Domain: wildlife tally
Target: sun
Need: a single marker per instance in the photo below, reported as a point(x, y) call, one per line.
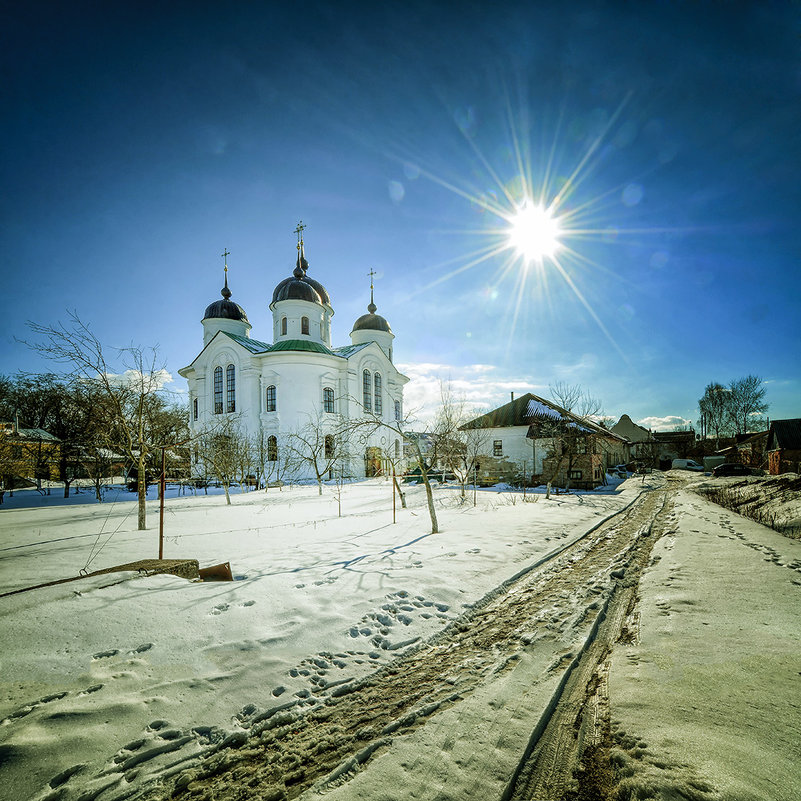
point(534, 232)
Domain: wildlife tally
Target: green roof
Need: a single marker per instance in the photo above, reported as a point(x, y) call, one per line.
point(253, 345)
point(348, 350)
point(301, 344)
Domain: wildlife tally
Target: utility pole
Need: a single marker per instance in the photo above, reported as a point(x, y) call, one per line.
point(162, 487)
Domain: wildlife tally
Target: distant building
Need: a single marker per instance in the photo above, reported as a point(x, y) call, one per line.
point(643, 446)
point(27, 455)
point(748, 449)
point(532, 439)
point(784, 446)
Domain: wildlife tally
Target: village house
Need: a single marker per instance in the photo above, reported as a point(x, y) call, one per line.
point(532, 439)
point(27, 455)
point(784, 446)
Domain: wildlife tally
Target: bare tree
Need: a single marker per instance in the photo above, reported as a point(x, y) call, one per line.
point(131, 399)
point(220, 451)
point(747, 403)
point(318, 447)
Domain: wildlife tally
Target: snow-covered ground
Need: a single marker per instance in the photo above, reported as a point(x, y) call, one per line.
point(707, 704)
point(90, 666)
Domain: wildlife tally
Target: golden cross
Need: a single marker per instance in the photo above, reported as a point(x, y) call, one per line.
point(225, 256)
point(371, 274)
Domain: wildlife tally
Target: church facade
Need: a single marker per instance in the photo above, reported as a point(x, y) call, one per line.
point(297, 390)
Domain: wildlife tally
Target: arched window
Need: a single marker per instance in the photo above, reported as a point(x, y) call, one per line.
point(218, 395)
point(329, 446)
point(397, 448)
point(378, 403)
point(328, 400)
point(367, 391)
point(269, 405)
point(194, 408)
point(283, 325)
point(272, 449)
point(397, 410)
point(230, 388)
point(304, 325)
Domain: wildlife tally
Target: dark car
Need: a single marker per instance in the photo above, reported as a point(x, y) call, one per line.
point(731, 470)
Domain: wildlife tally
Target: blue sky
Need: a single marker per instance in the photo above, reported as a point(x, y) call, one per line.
point(141, 140)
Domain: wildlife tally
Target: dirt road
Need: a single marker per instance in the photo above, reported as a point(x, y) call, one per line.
point(559, 621)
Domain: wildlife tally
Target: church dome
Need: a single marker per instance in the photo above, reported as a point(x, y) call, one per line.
point(371, 321)
point(225, 309)
point(300, 287)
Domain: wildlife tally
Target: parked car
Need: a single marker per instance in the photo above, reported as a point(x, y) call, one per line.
point(687, 464)
point(731, 469)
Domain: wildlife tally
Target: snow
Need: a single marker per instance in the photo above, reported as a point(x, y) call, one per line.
point(708, 704)
point(91, 665)
point(704, 701)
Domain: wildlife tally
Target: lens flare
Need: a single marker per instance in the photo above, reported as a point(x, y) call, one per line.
point(534, 232)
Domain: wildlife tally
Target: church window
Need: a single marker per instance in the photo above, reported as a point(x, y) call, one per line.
point(304, 325)
point(283, 326)
point(269, 405)
point(230, 386)
point(378, 401)
point(194, 408)
point(497, 447)
point(329, 446)
point(367, 391)
point(397, 410)
point(272, 449)
point(218, 395)
point(328, 400)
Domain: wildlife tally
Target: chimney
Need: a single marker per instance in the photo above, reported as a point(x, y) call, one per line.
point(513, 396)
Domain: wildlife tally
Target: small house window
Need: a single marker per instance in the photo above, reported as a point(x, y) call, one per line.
point(377, 401)
point(269, 404)
point(272, 449)
point(581, 446)
point(328, 400)
point(283, 326)
point(329, 446)
point(304, 325)
point(367, 391)
point(497, 447)
point(230, 386)
point(194, 408)
point(218, 390)
point(397, 410)
point(574, 474)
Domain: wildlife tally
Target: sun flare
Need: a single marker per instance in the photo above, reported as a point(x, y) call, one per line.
point(534, 232)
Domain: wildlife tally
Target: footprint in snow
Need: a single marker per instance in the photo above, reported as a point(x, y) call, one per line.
point(219, 609)
point(105, 654)
point(145, 646)
point(247, 603)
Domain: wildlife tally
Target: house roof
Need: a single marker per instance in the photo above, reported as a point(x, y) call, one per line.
point(530, 409)
point(785, 435)
point(33, 434)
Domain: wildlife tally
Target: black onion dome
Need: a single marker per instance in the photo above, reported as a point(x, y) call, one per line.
point(225, 309)
point(300, 287)
point(372, 322)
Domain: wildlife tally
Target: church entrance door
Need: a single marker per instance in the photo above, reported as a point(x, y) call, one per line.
point(372, 462)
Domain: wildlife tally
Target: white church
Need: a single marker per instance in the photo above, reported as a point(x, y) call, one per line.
point(280, 391)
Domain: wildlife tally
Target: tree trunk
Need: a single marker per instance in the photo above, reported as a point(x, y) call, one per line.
point(141, 483)
point(401, 494)
point(430, 498)
point(227, 494)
